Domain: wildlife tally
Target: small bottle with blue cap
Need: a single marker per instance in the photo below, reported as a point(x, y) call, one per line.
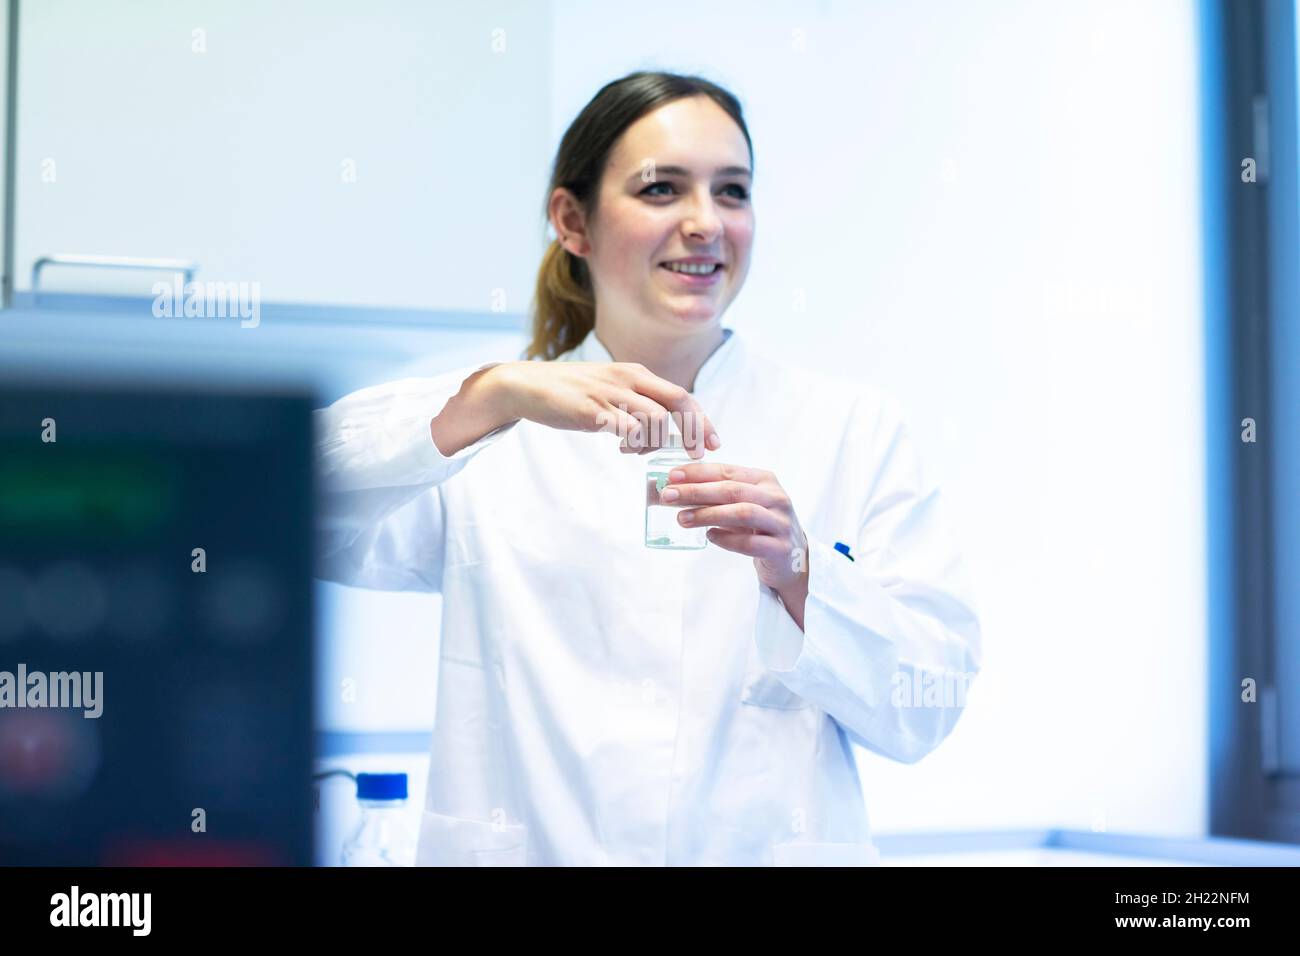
point(383, 836)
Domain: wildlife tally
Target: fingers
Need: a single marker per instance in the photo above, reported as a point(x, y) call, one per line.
point(638, 420)
point(616, 420)
point(748, 543)
point(640, 423)
point(702, 471)
point(650, 430)
point(640, 407)
point(698, 433)
point(719, 493)
point(745, 516)
point(734, 498)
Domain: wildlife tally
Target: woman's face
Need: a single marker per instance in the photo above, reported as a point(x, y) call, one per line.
point(676, 186)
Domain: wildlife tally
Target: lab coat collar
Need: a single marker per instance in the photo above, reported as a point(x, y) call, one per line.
point(591, 349)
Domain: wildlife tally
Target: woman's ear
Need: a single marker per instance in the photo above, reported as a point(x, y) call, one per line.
point(568, 222)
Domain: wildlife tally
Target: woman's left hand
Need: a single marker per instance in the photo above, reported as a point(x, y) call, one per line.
point(749, 513)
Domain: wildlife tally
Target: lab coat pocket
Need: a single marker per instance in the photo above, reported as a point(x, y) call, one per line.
point(762, 688)
point(825, 854)
point(455, 841)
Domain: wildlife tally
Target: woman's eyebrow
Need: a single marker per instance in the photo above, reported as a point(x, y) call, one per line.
point(683, 171)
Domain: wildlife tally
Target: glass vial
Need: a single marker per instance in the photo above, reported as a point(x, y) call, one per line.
point(661, 527)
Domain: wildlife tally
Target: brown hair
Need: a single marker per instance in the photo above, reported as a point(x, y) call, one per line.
point(564, 306)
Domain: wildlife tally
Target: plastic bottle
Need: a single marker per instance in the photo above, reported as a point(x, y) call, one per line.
point(382, 837)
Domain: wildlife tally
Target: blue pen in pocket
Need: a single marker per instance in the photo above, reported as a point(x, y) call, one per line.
point(843, 549)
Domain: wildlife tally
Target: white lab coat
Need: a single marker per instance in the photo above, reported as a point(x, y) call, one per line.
point(600, 702)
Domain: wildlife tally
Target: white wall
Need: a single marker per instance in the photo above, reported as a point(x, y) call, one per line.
point(234, 156)
point(992, 209)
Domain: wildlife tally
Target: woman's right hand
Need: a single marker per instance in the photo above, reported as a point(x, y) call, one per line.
point(624, 398)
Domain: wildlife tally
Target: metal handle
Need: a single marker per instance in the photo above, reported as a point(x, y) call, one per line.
point(185, 266)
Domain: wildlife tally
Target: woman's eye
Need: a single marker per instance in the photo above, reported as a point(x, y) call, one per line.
point(740, 191)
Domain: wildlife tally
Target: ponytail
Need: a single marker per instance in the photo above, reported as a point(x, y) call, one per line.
point(564, 308)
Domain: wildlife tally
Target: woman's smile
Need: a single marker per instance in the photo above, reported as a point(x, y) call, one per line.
point(691, 275)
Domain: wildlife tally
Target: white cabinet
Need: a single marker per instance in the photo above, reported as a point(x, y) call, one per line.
point(394, 154)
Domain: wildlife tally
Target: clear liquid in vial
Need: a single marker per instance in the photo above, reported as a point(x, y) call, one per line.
point(661, 527)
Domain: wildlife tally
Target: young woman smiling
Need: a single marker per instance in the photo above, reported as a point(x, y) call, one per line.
point(600, 702)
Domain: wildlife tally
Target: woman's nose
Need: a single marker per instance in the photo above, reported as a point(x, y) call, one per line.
point(703, 221)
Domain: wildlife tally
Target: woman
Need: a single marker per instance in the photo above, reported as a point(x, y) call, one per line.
point(601, 702)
